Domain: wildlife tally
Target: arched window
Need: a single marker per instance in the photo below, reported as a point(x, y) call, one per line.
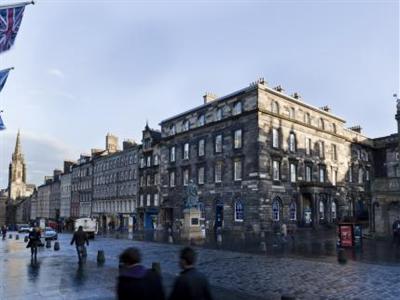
point(275, 210)
point(185, 125)
point(321, 210)
point(321, 124)
point(218, 114)
point(360, 176)
point(237, 108)
point(334, 128)
point(307, 118)
point(292, 142)
point(275, 138)
point(333, 209)
point(239, 211)
point(293, 211)
point(201, 120)
point(275, 107)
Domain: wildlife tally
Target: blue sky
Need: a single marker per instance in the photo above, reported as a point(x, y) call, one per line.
point(85, 68)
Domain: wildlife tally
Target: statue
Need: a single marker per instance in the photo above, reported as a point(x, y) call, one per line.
point(192, 199)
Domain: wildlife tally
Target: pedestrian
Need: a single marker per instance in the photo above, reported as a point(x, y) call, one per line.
point(4, 231)
point(80, 238)
point(135, 281)
point(34, 242)
point(190, 284)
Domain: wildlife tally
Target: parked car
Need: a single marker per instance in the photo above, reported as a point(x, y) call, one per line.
point(50, 234)
point(24, 228)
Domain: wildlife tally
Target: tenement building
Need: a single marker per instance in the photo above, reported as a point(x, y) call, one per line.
point(148, 208)
point(115, 184)
point(260, 158)
point(81, 187)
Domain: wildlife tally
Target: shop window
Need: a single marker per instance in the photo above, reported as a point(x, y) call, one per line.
point(239, 211)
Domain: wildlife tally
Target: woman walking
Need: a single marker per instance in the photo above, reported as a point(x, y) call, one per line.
point(34, 242)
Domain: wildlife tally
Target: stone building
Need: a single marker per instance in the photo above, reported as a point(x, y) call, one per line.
point(261, 158)
point(386, 184)
point(55, 197)
point(43, 199)
point(65, 191)
point(3, 205)
point(148, 207)
point(81, 187)
point(115, 185)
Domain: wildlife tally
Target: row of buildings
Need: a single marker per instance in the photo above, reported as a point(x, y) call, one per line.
point(259, 157)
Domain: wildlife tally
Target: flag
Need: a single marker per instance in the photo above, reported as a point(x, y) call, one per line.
point(2, 126)
point(10, 20)
point(3, 77)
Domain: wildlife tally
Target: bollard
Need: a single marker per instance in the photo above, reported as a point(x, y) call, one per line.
point(56, 246)
point(10, 236)
point(170, 239)
point(156, 267)
point(101, 258)
point(263, 246)
point(26, 239)
point(48, 244)
point(17, 237)
point(342, 256)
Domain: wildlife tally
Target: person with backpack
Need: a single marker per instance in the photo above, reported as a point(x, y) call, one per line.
point(80, 238)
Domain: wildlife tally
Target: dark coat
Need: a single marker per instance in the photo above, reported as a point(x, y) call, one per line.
point(191, 285)
point(80, 238)
point(139, 283)
point(34, 239)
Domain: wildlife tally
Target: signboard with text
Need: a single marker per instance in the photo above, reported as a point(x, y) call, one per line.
point(346, 235)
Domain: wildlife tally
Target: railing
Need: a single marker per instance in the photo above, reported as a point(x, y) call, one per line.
point(386, 185)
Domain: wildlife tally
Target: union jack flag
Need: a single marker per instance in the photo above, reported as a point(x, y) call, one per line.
point(10, 20)
point(2, 126)
point(3, 77)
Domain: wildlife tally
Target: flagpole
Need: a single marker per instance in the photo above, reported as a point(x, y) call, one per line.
point(17, 4)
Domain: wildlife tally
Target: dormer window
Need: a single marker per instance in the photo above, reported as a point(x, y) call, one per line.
point(218, 114)
point(201, 120)
point(185, 125)
point(172, 129)
point(147, 143)
point(237, 108)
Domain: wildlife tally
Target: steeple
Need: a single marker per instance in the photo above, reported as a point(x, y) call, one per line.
point(17, 151)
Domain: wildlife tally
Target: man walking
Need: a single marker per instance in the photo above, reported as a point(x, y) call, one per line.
point(191, 284)
point(80, 238)
point(4, 231)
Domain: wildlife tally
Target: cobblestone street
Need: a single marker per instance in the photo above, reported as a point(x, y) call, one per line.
point(233, 275)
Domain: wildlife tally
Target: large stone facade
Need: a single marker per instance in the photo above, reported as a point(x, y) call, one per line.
point(81, 187)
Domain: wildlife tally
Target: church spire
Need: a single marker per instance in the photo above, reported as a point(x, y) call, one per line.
point(17, 155)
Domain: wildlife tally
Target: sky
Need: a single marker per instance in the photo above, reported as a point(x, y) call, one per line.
point(85, 68)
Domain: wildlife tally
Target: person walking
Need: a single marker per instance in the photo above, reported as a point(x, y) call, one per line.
point(80, 238)
point(135, 281)
point(4, 231)
point(34, 242)
point(190, 284)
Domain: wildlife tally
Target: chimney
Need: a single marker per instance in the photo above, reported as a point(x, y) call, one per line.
point(56, 174)
point(208, 97)
point(128, 144)
point(111, 143)
point(325, 108)
point(279, 89)
point(296, 95)
point(356, 128)
point(68, 166)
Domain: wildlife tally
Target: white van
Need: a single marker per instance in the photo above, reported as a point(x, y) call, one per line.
point(89, 225)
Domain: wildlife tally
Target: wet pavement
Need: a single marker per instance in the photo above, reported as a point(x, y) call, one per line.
point(233, 275)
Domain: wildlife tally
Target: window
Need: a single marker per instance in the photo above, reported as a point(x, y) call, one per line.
point(292, 113)
point(292, 142)
point(321, 210)
point(172, 179)
point(358, 154)
point(334, 152)
point(334, 176)
point(351, 173)
point(237, 170)
point(239, 211)
point(142, 162)
point(186, 151)
point(237, 108)
point(201, 120)
point(334, 128)
point(141, 200)
point(275, 107)
point(322, 174)
point(360, 176)
point(307, 118)
point(148, 200)
point(237, 143)
point(218, 143)
point(321, 149)
point(275, 138)
point(292, 211)
point(142, 179)
point(156, 200)
point(200, 175)
point(155, 160)
point(185, 125)
point(185, 177)
point(218, 114)
point(276, 170)
point(293, 172)
point(218, 172)
point(172, 154)
point(367, 175)
point(201, 149)
point(148, 161)
point(333, 210)
point(275, 210)
point(321, 124)
point(172, 129)
point(156, 179)
point(308, 146)
point(308, 173)
point(148, 180)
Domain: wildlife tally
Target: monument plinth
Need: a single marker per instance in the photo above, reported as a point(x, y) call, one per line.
point(191, 224)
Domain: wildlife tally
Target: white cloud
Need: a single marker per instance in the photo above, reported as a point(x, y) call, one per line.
point(56, 72)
